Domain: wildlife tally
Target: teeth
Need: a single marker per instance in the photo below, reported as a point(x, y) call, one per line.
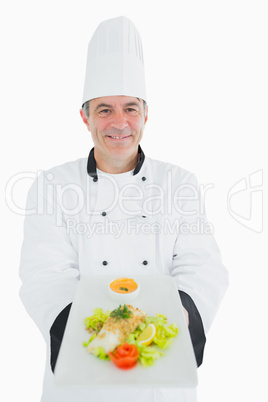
point(117, 138)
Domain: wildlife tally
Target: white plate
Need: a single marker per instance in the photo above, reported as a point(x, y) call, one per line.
point(158, 294)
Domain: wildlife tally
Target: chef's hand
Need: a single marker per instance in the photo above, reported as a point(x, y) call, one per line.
point(186, 316)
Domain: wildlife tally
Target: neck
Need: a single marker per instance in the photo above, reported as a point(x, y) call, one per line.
point(116, 166)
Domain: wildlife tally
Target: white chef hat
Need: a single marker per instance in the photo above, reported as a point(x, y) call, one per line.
point(115, 61)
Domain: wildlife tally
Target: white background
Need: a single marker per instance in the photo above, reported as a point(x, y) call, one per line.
point(206, 69)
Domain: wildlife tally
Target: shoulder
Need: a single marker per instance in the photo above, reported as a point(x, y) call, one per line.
point(68, 172)
point(63, 175)
point(67, 167)
point(164, 170)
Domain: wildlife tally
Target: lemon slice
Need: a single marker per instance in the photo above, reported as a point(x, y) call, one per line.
point(147, 335)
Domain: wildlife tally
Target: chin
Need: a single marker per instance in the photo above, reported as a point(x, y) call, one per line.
point(123, 150)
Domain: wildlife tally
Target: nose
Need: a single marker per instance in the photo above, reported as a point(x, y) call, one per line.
point(119, 121)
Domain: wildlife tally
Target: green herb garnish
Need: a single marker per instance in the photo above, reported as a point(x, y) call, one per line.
point(121, 313)
point(126, 289)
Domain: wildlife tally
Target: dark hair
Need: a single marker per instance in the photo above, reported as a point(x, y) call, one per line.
point(85, 107)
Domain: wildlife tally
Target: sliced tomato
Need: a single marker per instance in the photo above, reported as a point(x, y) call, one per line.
point(125, 356)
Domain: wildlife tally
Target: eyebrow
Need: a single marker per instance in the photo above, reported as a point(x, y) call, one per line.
point(101, 105)
point(133, 103)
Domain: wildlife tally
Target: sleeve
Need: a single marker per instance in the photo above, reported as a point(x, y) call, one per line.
point(196, 328)
point(197, 266)
point(49, 265)
point(56, 335)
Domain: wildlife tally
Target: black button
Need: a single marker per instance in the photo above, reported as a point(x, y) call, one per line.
point(145, 262)
point(104, 213)
point(95, 179)
point(143, 216)
point(143, 178)
point(104, 263)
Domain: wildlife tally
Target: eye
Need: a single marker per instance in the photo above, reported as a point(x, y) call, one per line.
point(130, 109)
point(104, 111)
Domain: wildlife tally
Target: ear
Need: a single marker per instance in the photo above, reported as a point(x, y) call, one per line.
point(84, 118)
point(146, 115)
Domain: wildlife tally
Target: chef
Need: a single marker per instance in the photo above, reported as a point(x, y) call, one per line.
point(117, 212)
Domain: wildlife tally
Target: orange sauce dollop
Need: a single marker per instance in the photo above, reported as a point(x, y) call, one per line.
point(123, 285)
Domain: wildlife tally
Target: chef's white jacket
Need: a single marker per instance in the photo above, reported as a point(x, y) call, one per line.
point(80, 221)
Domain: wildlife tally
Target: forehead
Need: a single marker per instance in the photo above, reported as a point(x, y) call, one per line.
point(115, 101)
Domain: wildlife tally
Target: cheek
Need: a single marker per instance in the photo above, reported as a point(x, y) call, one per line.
point(96, 127)
point(137, 124)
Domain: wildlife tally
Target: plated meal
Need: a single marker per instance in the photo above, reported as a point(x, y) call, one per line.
point(127, 335)
point(157, 353)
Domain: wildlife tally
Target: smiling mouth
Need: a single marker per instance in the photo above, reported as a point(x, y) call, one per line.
point(119, 138)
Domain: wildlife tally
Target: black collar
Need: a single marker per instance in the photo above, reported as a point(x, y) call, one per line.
point(91, 163)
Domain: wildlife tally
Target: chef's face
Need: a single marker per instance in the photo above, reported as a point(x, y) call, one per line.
point(116, 124)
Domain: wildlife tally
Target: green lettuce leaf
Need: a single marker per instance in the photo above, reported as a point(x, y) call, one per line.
point(100, 353)
point(90, 340)
point(96, 321)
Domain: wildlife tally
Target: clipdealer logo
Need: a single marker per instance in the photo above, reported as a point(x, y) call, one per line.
point(245, 201)
point(244, 198)
point(50, 197)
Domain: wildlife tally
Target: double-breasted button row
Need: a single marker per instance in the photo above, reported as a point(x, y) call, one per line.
point(105, 213)
point(145, 262)
point(95, 179)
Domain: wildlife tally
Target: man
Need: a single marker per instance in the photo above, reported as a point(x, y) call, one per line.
point(119, 190)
